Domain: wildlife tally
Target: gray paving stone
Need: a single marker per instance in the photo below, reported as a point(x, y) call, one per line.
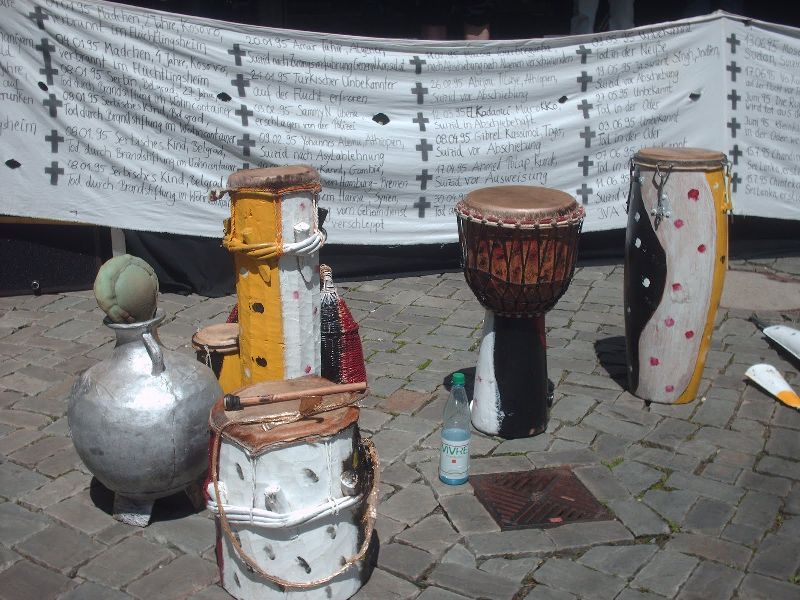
point(472, 583)
point(515, 569)
point(615, 427)
point(467, 513)
point(183, 576)
point(7, 558)
point(568, 576)
point(758, 587)
point(18, 523)
point(536, 443)
point(410, 504)
point(635, 476)
point(631, 594)
point(741, 533)
point(622, 561)
point(711, 581)
point(27, 581)
point(125, 562)
point(435, 593)
point(16, 481)
point(601, 483)
point(40, 449)
point(772, 465)
point(192, 534)
point(573, 458)
point(92, 591)
point(385, 586)
point(638, 517)
point(778, 556)
point(405, 561)
point(708, 516)
point(610, 447)
point(571, 409)
point(732, 440)
point(433, 534)
point(460, 555)
point(520, 542)
point(500, 464)
point(581, 535)
point(783, 442)
point(705, 487)
point(758, 510)
point(727, 553)
point(723, 473)
point(542, 592)
point(21, 418)
point(47, 547)
point(213, 592)
point(399, 474)
point(57, 490)
point(670, 432)
point(387, 528)
point(665, 572)
point(665, 459)
point(391, 444)
point(17, 438)
point(735, 459)
point(764, 483)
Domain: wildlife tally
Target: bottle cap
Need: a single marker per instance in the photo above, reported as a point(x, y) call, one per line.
point(458, 379)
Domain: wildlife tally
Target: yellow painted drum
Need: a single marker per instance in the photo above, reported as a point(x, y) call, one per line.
point(676, 250)
point(275, 238)
point(217, 347)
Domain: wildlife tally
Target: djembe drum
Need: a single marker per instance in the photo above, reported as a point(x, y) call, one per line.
point(676, 248)
point(293, 489)
point(217, 347)
point(275, 237)
point(519, 245)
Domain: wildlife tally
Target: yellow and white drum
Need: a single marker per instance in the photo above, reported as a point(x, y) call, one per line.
point(275, 237)
point(676, 250)
point(217, 347)
point(294, 496)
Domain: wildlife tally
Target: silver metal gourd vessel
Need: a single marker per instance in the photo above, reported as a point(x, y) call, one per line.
point(139, 420)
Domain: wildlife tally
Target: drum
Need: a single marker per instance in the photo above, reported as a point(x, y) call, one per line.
point(519, 245)
point(275, 237)
point(217, 347)
point(676, 247)
point(293, 492)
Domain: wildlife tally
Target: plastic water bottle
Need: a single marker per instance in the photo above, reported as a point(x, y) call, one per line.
point(454, 457)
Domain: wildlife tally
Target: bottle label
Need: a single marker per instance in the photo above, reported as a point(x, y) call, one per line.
point(454, 458)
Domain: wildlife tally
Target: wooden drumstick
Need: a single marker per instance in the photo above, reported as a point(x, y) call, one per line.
point(233, 402)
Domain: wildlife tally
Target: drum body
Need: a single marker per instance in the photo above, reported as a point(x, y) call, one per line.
point(676, 247)
point(297, 499)
point(519, 245)
point(274, 236)
point(217, 347)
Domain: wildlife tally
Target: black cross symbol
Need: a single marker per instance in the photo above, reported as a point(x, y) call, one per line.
point(45, 48)
point(733, 69)
point(733, 126)
point(237, 53)
point(421, 120)
point(38, 16)
point(584, 52)
point(421, 206)
point(423, 179)
point(48, 71)
point(54, 138)
point(420, 92)
point(246, 143)
point(424, 147)
point(244, 112)
point(734, 98)
point(735, 153)
point(54, 171)
point(52, 103)
point(584, 192)
point(587, 134)
point(585, 164)
point(733, 41)
point(584, 79)
point(417, 62)
point(240, 83)
point(735, 181)
point(585, 106)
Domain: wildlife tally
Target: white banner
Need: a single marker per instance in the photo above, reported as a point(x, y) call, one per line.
point(126, 117)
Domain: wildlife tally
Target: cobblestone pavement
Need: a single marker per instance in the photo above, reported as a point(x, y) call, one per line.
point(706, 495)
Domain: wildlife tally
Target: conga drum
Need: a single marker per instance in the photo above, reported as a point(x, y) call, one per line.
point(293, 491)
point(676, 247)
point(275, 237)
point(217, 347)
point(519, 245)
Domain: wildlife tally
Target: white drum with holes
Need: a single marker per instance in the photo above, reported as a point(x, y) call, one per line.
point(298, 501)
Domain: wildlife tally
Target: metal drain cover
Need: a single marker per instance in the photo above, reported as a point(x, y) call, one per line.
point(538, 498)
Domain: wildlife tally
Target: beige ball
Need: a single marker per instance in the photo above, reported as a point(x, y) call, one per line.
point(126, 288)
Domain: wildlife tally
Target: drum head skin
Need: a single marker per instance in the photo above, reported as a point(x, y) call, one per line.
point(223, 337)
point(519, 204)
point(273, 178)
point(256, 438)
point(679, 158)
